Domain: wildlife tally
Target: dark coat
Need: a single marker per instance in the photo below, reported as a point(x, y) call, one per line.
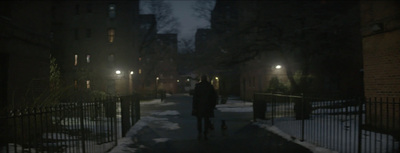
point(204, 100)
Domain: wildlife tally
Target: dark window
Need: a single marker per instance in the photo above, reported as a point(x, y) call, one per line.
point(5, 9)
point(89, 8)
point(88, 33)
point(111, 57)
point(111, 11)
point(76, 34)
point(77, 9)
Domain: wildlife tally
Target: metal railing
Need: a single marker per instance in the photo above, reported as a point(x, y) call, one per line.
point(342, 124)
point(74, 126)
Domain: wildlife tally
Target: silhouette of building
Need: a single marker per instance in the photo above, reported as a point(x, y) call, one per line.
point(202, 37)
point(166, 68)
point(25, 42)
point(96, 44)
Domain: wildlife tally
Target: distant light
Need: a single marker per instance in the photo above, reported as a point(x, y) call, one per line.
point(131, 72)
point(187, 80)
point(177, 81)
point(118, 72)
point(158, 78)
point(278, 66)
point(216, 78)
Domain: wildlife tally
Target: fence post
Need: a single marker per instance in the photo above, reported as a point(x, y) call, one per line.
point(132, 110)
point(360, 121)
point(82, 127)
point(302, 117)
point(113, 101)
point(254, 111)
point(273, 108)
point(137, 108)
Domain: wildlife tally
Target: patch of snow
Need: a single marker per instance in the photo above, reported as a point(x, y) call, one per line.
point(150, 102)
point(167, 104)
point(160, 140)
point(166, 113)
point(123, 146)
point(237, 110)
point(169, 125)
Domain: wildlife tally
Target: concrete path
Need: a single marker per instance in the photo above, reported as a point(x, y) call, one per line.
point(180, 136)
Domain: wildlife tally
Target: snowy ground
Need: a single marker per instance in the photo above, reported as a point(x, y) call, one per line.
point(125, 143)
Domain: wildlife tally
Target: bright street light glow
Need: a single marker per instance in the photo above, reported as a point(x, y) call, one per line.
point(131, 72)
point(177, 80)
point(216, 78)
point(278, 66)
point(118, 72)
point(157, 78)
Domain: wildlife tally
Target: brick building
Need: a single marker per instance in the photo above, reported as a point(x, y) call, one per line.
point(380, 22)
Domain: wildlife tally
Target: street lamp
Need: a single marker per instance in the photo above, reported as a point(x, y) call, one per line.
point(118, 72)
point(278, 67)
point(131, 72)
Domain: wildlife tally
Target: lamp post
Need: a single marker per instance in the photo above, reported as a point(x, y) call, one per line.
point(156, 85)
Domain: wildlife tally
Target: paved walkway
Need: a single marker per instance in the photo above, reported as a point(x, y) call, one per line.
point(170, 128)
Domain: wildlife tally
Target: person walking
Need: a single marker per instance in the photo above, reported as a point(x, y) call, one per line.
point(204, 101)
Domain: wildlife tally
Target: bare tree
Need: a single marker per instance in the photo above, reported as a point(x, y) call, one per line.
point(166, 23)
point(303, 33)
point(203, 8)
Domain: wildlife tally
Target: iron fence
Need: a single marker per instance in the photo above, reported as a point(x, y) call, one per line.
point(342, 124)
point(74, 126)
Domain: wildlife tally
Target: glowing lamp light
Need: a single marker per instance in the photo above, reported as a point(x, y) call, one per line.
point(118, 72)
point(131, 72)
point(177, 81)
point(278, 66)
point(158, 78)
point(216, 78)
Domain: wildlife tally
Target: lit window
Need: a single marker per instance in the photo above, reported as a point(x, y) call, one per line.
point(87, 84)
point(111, 11)
point(140, 71)
point(111, 35)
point(88, 58)
point(76, 60)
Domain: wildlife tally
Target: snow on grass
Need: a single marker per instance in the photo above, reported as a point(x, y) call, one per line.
point(166, 113)
point(276, 130)
point(151, 102)
point(236, 106)
point(157, 102)
point(169, 125)
point(124, 146)
point(167, 104)
point(160, 140)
